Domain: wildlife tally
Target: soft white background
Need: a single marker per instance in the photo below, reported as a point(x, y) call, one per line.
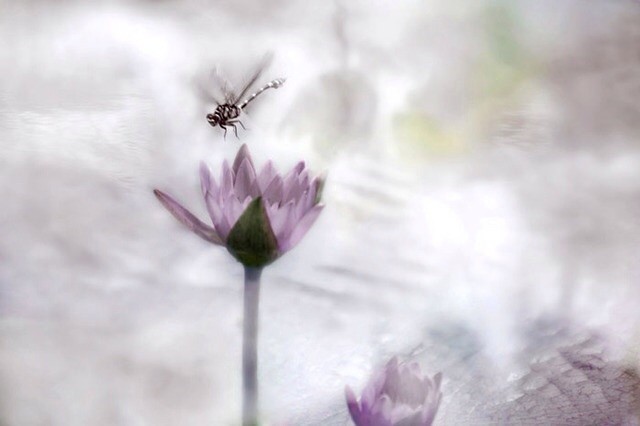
point(482, 216)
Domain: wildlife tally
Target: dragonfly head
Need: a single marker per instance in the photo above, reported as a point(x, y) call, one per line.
point(212, 119)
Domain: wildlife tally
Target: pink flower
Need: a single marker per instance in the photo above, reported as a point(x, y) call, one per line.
point(399, 395)
point(257, 216)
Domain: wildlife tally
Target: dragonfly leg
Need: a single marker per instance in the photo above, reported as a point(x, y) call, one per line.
point(225, 130)
point(239, 122)
point(235, 129)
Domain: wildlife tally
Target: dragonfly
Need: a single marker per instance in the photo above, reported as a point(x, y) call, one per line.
point(232, 105)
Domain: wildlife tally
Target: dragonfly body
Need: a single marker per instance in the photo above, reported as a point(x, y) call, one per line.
point(227, 114)
point(273, 84)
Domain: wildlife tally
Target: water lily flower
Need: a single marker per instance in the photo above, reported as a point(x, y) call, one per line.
point(398, 395)
point(257, 216)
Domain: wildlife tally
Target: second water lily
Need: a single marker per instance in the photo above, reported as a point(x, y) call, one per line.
point(398, 395)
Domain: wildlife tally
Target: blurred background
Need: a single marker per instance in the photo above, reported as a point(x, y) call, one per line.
point(482, 216)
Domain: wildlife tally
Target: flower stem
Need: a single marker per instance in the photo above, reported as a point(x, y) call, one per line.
point(250, 346)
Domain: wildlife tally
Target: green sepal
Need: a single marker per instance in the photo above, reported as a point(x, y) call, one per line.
point(251, 240)
point(321, 181)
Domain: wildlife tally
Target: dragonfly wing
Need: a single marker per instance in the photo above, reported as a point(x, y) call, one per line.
point(223, 86)
point(262, 65)
point(203, 90)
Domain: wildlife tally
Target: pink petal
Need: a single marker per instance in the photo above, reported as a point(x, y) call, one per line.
point(223, 227)
point(303, 181)
point(428, 414)
point(280, 219)
point(201, 229)
point(352, 404)
point(267, 174)
point(392, 364)
point(245, 178)
point(273, 192)
point(215, 211)
point(303, 204)
point(437, 379)
point(308, 199)
point(289, 186)
point(379, 381)
point(205, 178)
point(297, 191)
point(302, 227)
point(294, 173)
point(368, 398)
point(431, 408)
point(233, 210)
point(254, 190)
point(207, 182)
point(245, 204)
point(384, 406)
point(226, 181)
point(415, 369)
point(298, 168)
point(299, 207)
point(299, 183)
point(313, 192)
point(243, 155)
point(406, 415)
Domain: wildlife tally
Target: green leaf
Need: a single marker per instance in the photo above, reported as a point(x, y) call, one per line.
point(251, 239)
